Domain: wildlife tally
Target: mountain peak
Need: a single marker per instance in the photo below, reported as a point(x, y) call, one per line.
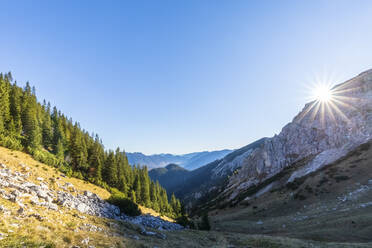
point(174, 167)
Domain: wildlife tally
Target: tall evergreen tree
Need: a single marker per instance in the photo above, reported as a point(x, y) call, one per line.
point(15, 109)
point(4, 106)
point(110, 170)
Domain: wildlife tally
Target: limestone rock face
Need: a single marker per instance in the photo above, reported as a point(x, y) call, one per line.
point(324, 131)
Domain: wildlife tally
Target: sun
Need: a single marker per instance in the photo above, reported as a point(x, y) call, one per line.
point(329, 101)
point(323, 93)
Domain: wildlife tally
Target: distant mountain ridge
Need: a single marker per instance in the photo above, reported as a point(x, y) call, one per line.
point(188, 161)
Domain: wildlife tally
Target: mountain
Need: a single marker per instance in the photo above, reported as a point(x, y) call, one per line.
point(170, 176)
point(319, 135)
point(330, 204)
point(188, 161)
point(187, 184)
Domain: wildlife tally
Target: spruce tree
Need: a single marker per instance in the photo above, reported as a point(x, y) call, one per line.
point(30, 125)
point(4, 106)
point(110, 172)
point(47, 131)
point(145, 187)
point(15, 109)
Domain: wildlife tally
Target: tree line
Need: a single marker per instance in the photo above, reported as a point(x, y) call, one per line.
point(52, 138)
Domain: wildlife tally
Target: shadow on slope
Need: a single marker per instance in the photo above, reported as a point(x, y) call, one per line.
point(332, 204)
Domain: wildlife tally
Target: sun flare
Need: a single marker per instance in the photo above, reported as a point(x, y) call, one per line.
point(323, 93)
point(329, 102)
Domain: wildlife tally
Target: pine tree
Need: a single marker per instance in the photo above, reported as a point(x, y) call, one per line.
point(175, 205)
point(15, 109)
point(47, 131)
point(205, 224)
point(133, 196)
point(4, 106)
point(77, 150)
point(110, 170)
point(30, 125)
point(137, 188)
point(96, 160)
point(145, 187)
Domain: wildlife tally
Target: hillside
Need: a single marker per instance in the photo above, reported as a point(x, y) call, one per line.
point(54, 139)
point(170, 177)
point(188, 161)
point(29, 220)
point(330, 204)
point(319, 135)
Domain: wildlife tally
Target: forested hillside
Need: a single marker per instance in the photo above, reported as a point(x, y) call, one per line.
point(170, 177)
point(53, 138)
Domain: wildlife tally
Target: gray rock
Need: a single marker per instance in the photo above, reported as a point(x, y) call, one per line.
point(3, 236)
point(148, 233)
point(21, 210)
point(37, 216)
point(88, 193)
point(161, 236)
point(135, 237)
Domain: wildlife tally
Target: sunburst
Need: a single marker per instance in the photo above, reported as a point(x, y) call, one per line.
point(322, 93)
point(329, 102)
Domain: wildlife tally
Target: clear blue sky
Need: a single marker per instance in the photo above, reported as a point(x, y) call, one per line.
point(182, 76)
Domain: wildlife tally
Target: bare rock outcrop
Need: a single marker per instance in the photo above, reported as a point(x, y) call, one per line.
point(325, 131)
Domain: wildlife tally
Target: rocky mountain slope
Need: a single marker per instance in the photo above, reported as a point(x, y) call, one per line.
point(330, 204)
point(188, 161)
point(40, 207)
point(320, 134)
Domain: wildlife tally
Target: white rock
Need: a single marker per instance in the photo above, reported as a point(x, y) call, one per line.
point(85, 241)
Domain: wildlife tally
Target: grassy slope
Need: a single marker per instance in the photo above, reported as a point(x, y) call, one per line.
point(61, 229)
point(311, 209)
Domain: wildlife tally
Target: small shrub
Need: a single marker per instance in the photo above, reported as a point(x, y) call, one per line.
point(294, 185)
point(204, 224)
point(126, 206)
point(45, 157)
point(11, 143)
point(322, 181)
point(185, 221)
point(309, 189)
point(77, 174)
point(365, 147)
point(299, 196)
point(341, 178)
point(67, 239)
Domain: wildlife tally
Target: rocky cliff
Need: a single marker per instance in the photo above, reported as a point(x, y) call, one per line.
point(322, 131)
